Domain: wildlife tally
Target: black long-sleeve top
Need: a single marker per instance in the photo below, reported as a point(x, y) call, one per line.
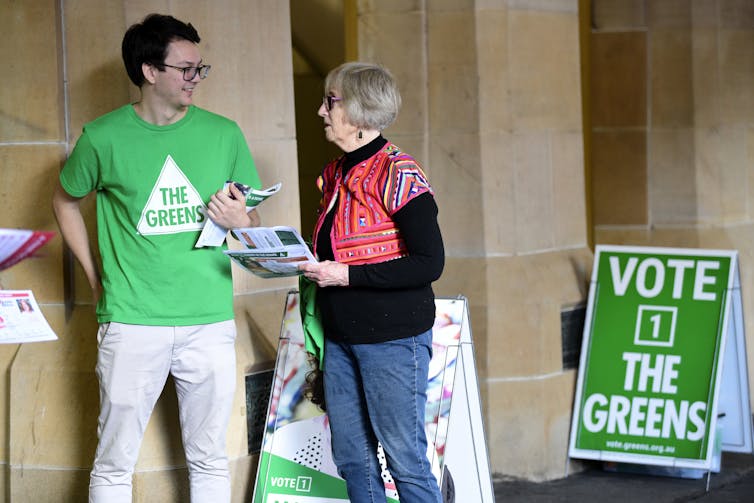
point(388, 300)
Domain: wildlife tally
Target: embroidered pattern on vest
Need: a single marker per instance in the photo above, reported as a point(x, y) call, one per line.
point(363, 230)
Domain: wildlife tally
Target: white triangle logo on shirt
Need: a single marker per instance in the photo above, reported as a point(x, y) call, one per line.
point(174, 205)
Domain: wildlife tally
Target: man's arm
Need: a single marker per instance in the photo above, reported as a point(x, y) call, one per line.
point(71, 222)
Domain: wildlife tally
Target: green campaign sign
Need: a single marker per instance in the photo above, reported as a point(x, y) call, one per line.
point(651, 357)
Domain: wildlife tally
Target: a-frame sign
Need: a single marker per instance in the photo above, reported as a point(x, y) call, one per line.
point(296, 462)
point(663, 362)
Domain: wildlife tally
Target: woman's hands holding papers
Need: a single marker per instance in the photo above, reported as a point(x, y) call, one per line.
point(327, 273)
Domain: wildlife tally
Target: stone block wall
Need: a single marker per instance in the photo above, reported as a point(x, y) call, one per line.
point(672, 124)
point(65, 69)
point(492, 108)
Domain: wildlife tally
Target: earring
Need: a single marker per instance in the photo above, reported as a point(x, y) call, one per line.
point(360, 135)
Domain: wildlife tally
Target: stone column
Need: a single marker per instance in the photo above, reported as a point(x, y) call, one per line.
point(492, 107)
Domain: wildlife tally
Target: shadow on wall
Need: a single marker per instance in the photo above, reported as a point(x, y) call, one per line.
point(102, 90)
point(317, 48)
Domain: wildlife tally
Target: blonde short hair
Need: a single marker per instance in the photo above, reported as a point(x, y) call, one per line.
point(369, 93)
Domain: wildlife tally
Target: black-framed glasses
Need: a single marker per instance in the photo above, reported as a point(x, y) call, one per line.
point(328, 101)
point(190, 72)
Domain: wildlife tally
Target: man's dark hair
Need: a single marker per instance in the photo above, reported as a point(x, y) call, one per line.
point(147, 42)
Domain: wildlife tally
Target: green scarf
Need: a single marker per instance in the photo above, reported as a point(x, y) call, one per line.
point(314, 334)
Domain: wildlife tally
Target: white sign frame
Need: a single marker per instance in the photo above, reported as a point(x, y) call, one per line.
point(465, 449)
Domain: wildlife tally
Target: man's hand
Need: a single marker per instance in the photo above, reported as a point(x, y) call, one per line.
point(229, 210)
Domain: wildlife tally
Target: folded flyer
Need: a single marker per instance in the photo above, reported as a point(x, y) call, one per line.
point(213, 234)
point(18, 244)
point(270, 252)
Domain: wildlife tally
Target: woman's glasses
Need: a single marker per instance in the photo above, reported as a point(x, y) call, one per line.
point(328, 101)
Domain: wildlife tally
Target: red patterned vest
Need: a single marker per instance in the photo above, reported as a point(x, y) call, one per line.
point(363, 231)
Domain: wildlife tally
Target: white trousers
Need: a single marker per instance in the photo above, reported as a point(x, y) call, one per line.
point(133, 364)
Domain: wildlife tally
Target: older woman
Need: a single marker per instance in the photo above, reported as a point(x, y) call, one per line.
point(379, 248)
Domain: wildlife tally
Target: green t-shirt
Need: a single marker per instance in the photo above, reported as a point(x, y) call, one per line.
point(153, 184)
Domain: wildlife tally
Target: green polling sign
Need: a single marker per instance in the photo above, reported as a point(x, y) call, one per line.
point(651, 355)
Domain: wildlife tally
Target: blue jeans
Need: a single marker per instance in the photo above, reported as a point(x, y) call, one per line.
point(377, 392)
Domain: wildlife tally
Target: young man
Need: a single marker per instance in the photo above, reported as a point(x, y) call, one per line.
point(163, 306)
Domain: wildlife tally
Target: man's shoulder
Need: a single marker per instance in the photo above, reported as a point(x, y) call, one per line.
point(215, 119)
point(114, 117)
